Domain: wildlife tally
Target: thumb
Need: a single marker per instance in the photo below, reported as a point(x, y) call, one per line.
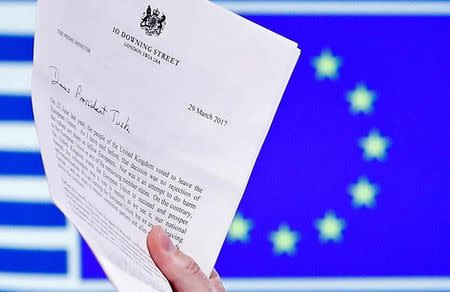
point(181, 270)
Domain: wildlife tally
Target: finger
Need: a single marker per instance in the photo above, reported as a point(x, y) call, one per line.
point(181, 270)
point(216, 282)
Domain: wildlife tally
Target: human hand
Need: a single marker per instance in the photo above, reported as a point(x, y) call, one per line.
point(181, 270)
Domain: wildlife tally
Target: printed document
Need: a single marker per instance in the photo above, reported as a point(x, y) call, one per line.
point(152, 113)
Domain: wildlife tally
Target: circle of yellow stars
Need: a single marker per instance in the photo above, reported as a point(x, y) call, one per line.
point(363, 192)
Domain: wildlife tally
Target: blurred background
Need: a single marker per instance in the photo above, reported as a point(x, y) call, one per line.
point(351, 190)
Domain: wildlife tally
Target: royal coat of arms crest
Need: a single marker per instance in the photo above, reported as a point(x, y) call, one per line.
point(153, 22)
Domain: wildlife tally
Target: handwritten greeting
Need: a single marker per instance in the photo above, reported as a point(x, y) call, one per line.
point(93, 104)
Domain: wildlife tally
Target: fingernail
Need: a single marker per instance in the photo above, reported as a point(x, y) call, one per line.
point(164, 240)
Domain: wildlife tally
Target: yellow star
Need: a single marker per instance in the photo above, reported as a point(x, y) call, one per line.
point(327, 65)
point(284, 240)
point(330, 227)
point(240, 229)
point(361, 99)
point(375, 146)
point(363, 193)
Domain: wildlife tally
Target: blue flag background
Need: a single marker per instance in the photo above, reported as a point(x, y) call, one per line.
point(352, 181)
